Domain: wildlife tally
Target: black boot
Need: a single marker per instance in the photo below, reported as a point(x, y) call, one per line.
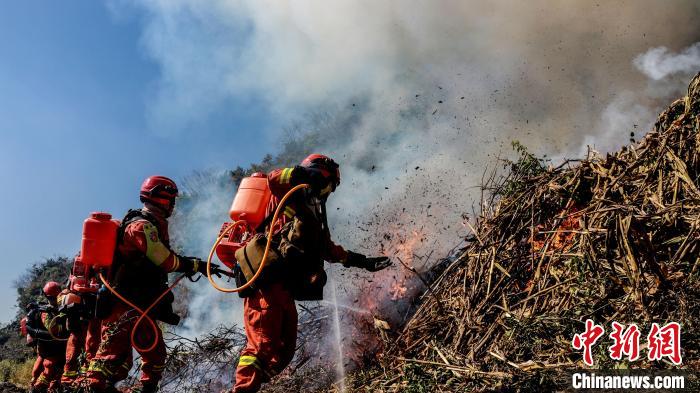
point(145, 388)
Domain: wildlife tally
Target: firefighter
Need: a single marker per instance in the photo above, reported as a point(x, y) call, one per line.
point(303, 242)
point(84, 336)
point(47, 329)
point(31, 309)
point(140, 270)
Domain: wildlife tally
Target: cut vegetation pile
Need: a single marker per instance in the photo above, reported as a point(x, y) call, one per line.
point(614, 238)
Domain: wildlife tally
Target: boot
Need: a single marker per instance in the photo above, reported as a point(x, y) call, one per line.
point(38, 389)
point(69, 387)
point(145, 388)
point(111, 389)
point(91, 389)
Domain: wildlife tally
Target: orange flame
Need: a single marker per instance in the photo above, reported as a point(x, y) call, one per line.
point(398, 289)
point(562, 238)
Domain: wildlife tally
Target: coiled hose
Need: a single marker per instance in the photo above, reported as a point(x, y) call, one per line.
point(143, 313)
point(267, 246)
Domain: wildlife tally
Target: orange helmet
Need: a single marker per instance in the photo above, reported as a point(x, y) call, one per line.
point(328, 168)
point(52, 289)
point(159, 191)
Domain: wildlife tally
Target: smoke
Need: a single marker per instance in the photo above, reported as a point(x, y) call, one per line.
point(194, 226)
point(636, 111)
point(658, 63)
point(436, 91)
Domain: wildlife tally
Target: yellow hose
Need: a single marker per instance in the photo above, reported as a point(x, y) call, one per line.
point(267, 246)
point(51, 323)
point(144, 314)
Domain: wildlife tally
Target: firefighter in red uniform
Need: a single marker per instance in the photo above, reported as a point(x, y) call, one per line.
point(84, 336)
point(303, 243)
point(32, 312)
point(140, 272)
point(44, 326)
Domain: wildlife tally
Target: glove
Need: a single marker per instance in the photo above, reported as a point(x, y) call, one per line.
point(373, 264)
point(192, 266)
point(215, 269)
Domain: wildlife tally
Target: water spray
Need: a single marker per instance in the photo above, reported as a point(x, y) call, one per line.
point(340, 365)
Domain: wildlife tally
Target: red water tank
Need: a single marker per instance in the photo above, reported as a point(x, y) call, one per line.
point(99, 240)
point(236, 238)
point(251, 200)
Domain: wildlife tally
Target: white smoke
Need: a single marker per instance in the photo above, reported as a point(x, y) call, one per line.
point(658, 63)
point(194, 226)
point(632, 113)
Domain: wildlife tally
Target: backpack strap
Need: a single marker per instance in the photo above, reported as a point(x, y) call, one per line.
point(131, 216)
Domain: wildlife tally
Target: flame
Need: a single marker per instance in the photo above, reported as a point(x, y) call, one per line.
point(398, 289)
point(563, 237)
point(402, 245)
point(386, 290)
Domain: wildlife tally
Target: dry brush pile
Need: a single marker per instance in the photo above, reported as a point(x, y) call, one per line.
point(613, 238)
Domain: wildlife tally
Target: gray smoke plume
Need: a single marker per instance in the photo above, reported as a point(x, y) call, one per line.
point(429, 93)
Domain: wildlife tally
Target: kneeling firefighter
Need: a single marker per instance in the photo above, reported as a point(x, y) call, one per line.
point(139, 274)
point(47, 328)
point(295, 270)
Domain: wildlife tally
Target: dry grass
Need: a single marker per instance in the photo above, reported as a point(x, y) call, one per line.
point(18, 373)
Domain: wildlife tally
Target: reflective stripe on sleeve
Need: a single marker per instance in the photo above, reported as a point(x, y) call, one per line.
point(289, 212)
point(286, 175)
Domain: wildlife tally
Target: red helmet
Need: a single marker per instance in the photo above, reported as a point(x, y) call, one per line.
point(159, 191)
point(52, 289)
point(329, 168)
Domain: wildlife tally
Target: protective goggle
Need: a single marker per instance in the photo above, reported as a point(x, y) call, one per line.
point(163, 190)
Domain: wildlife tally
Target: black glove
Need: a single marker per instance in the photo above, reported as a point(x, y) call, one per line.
point(192, 266)
point(373, 264)
point(216, 270)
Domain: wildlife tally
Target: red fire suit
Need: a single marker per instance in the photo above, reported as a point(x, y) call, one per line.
point(270, 315)
point(51, 350)
point(37, 369)
point(142, 262)
point(83, 339)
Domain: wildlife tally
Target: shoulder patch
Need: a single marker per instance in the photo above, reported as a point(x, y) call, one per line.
point(151, 231)
point(156, 251)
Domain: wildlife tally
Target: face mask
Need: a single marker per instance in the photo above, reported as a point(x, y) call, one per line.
point(327, 190)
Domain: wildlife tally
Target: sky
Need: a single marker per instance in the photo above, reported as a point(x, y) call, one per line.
point(75, 131)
